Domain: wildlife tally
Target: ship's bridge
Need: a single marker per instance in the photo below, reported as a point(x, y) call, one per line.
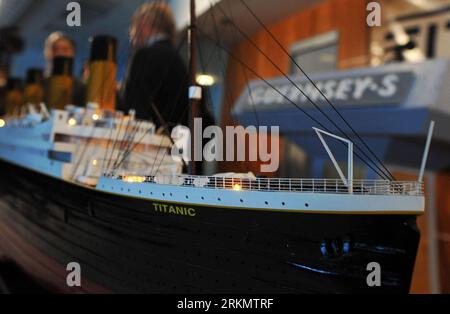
point(389, 106)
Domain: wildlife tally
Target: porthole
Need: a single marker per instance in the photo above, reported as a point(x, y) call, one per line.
point(187, 197)
point(219, 199)
point(266, 202)
point(164, 194)
point(242, 201)
point(283, 203)
point(203, 198)
point(306, 205)
point(140, 192)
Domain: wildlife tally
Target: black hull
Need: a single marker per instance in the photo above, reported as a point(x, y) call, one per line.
point(123, 245)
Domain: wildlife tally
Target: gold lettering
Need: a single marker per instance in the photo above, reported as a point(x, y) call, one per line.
point(172, 210)
point(176, 210)
point(181, 211)
point(192, 212)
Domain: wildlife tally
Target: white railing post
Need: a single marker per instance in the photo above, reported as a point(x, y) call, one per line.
point(426, 151)
point(350, 167)
point(349, 180)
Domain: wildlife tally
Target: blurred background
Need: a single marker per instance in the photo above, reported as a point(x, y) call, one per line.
point(332, 41)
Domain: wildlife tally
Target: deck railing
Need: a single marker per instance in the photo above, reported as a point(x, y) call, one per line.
point(330, 186)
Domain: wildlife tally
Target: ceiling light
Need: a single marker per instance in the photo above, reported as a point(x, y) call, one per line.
point(205, 80)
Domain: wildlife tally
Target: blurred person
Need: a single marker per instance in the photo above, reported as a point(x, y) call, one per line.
point(156, 73)
point(58, 44)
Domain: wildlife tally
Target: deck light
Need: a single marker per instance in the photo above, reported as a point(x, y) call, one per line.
point(237, 187)
point(133, 179)
point(72, 122)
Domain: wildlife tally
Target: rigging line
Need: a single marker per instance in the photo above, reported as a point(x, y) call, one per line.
point(122, 60)
point(124, 141)
point(124, 137)
point(287, 98)
point(170, 115)
point(129, 142)
point(154, 23)
point(129, 137)
point(317, 88)
point(122, 55)
point(244, 72)
point(185, 111)
point(222, 68)
point(134, 128)
point(206, 101)
point(119, 130)
point(203, 64)
point(130, 150)
point(299, 89)
point(165, 151)
point(113, 125)
point(86, 144)
point(305, 95)
point(204, 91)
point(250, 93)
point(83, 152)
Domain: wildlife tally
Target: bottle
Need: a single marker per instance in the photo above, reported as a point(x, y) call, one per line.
point(101, 85)
point(14, 96)
point(60, 87)
point(34, 87)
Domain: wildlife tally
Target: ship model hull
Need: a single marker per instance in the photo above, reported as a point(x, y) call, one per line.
point(123, 245)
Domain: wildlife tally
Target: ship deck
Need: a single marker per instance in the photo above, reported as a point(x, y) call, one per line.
point(298, 185)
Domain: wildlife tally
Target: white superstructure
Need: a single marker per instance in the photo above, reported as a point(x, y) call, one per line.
point(80, 144)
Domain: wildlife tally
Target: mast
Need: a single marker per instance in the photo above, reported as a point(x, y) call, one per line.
point(194, 89)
